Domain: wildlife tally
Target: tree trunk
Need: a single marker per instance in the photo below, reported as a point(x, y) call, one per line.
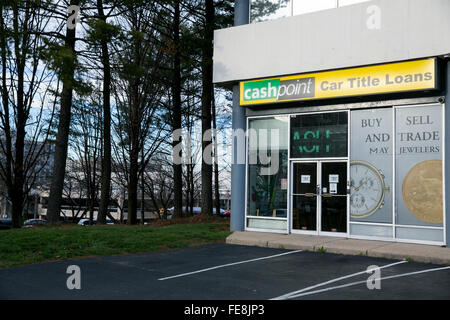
point(132, 188)
point(6, 115)
point(207, 53)
point(15, 175)
point(216, 158)
point(192, 195)
point(134, 155)
point(17, 194)
point(176, 113)
point(106, 159)
point(142, 188)
point(135, 125)
point(62, 137)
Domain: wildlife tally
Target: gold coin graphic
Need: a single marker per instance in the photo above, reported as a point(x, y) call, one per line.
point(422, 191)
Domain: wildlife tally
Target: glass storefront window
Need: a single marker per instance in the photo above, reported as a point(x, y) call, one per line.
point(343, 3)
point(307, 6)
point(419, 182)
point(322, 135)
point(395, 185)
point(264, 10)
point(415, 165)
point(267, 182)
point(371, 168)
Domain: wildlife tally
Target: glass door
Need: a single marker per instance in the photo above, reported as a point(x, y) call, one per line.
point(304, 196)
point(333, 197)
point(319, 197)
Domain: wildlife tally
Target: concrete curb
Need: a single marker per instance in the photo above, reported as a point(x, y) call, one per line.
point(378, 249)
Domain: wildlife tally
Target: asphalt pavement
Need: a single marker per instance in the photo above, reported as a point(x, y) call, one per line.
point(228, 272)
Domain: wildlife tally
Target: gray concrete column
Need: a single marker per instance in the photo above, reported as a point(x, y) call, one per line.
point(237, 223)
point(447, 152)
point(241, 12)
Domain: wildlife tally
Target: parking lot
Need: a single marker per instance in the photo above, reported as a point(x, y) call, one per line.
point(228, 272)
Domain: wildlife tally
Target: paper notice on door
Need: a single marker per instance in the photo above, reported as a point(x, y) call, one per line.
point(305, 179)
point(333, 178)
point(333, 188)
point(283, 184)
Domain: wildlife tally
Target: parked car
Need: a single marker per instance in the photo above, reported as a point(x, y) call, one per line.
point(5, 224)
point(86, 222)
point(222, 212)
point(30, 223)
point(166, 214)
point(195, 211)
point(281, 213)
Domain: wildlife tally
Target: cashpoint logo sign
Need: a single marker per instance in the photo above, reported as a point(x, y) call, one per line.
point(279, 90)
point(388, 78)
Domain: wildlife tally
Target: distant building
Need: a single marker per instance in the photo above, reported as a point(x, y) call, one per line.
point(38, 177)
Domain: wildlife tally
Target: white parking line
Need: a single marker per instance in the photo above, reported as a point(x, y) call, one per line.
point(288, 295)
point(365, 281)
point(230, 264)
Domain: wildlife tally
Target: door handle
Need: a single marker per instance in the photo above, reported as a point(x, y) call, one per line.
point(327, 195)
point(310, 195)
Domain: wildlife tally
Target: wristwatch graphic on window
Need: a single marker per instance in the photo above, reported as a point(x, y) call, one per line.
point(367, 189)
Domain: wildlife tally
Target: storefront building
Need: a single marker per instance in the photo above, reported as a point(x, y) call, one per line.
point(345, 117)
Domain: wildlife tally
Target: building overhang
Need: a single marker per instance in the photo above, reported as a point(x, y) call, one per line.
point(373, 32)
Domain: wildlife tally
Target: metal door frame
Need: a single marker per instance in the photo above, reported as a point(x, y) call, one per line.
point(318, 230)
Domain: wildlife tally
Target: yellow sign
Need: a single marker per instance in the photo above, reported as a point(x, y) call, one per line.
point(387, 78)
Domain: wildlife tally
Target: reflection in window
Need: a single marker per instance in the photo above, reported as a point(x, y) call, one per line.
point(263, 10)
point(307, 6)
point(343, 3)
point(267, 190)
point(322, 135)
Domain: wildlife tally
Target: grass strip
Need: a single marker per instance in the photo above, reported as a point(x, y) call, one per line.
point(35, 245)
